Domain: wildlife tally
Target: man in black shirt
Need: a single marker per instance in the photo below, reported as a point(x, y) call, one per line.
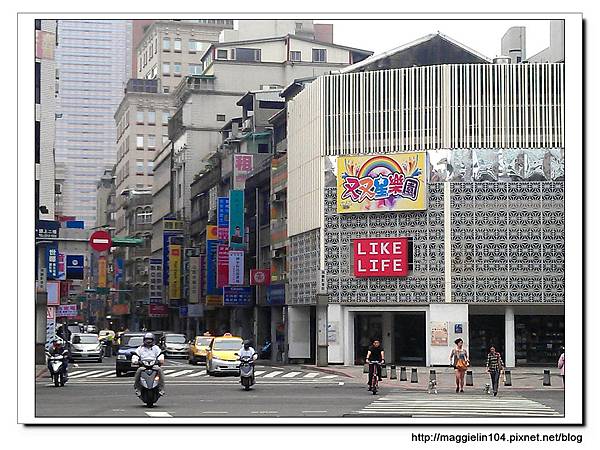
point(375, 353)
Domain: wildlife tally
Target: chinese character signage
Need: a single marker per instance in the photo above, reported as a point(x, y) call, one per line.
point(439, 333)
point(260, 277)
point(102, 272)
point(158, 310)
point(174, 272)
point(222, 265)
point(242, 166)
point(236, 220)
point(236, 267)
point(222, 212)
point(52, 261)
point(75, 267)
point(237, 296)
point(62, 274)
point(214, 300)
point(395, 182)
point(155, 280)
point(194, 279)
point(381, 257)
point(66, 311)
point(211, 268)
point(276, 294)
point(47, 229)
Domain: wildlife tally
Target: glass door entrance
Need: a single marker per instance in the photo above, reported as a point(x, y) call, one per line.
point(409, 338)
point(367, 327)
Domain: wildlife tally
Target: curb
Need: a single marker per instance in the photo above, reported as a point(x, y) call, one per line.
point(326, 370)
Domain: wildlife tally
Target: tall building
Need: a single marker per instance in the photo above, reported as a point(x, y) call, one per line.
point(138, 29)
point(93, 61)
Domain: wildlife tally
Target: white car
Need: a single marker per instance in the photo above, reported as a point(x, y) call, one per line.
point(85, 347)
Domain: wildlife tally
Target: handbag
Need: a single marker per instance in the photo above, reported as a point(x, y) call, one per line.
point(461, 364)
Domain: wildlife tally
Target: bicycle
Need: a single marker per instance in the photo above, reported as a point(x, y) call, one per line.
point(375, 377)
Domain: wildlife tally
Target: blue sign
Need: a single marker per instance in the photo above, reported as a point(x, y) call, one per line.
point(74, 224)
point(211, 267)
point(223, 212)
point(458, 328)
point(75, 267)
point(276, 294)
point(237, 295)
point(183, 311)
point(52, 261)
point(118, 270)
point(47, 229)
point(236, 220)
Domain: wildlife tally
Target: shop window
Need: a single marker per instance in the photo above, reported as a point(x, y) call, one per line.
point(538, 339)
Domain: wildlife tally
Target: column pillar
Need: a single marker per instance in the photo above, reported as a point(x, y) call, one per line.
point(322, 356)
point(387, 335)
point(509, 336)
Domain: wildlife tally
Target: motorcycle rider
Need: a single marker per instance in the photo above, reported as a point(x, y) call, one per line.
point(149, 351)
point(57, 349)
point(247, 351)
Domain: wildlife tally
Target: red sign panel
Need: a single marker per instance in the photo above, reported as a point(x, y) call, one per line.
point(222, 265)
point(260, 276)
point(100, 240)
point(158, 310)
point(381, 257)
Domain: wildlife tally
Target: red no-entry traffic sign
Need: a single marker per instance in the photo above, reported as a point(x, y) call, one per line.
point(100, 240)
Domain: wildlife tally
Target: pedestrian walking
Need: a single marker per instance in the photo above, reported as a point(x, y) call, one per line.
point(494, 366)
point(561, 365)
point(459, 359)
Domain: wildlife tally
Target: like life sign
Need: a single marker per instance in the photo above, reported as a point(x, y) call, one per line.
point(381, 257)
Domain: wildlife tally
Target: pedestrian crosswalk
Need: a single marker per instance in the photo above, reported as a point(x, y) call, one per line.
point(405, 404)
point(200, 375)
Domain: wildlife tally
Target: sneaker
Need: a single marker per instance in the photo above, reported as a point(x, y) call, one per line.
point(495, 394)
point(462, 390)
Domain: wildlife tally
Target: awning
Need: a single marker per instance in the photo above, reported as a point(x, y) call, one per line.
point(127, 242)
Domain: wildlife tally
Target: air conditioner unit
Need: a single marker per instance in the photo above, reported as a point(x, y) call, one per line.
point(277, 197)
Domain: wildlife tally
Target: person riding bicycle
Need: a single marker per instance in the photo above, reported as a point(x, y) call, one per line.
point(375, 353)
point(148, 351)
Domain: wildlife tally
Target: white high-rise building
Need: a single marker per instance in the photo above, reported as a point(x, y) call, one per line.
point(93, 61)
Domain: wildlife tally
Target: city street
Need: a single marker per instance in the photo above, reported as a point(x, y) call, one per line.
point(281, 391)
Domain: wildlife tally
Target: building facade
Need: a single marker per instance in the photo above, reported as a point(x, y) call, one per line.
point(93, 61)
point(486, 253)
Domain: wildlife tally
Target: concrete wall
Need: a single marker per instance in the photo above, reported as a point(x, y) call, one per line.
point(334, 55)
point(298, 332)
point(450, 314)
point(336, 331)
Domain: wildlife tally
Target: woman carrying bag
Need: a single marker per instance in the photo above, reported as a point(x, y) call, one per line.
point(459, 359)
point(494, 366)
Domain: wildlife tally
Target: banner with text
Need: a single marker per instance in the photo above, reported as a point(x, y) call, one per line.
point(243, 164)
point(52, 261)
point(237, 295)
point(222, 211)
point(260, 277)
point(236, 220)
point(102, 272)
point(174, 272)
point(211, 268)
point(67, 311)
point(236, 267)
point(155, 280)
point(194, 279)
point(222, 265)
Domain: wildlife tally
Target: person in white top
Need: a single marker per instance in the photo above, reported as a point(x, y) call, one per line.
point(149, 351)
point(248, 351)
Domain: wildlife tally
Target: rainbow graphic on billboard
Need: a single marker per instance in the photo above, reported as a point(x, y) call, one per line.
point(382, 183)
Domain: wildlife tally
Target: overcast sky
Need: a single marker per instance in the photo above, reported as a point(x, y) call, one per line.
point(481, 35)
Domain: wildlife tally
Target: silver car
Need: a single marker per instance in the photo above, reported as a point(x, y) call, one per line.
point(176, 346)
point(85, 346)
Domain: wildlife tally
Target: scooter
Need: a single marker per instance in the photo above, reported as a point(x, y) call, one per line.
point(58, 371)
point(247, 371)
point(149, 390)
point(265, 351)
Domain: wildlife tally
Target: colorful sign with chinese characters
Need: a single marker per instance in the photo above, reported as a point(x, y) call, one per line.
point(260, 277)
point(75, 267)
point(236, 220)
point(222, 265)
point(102, 272)
point(67, 311)
point(381, 257)
point(211, 268)
point(439, 333)
point(158, 310)
point(242, 166)
point(222, 212)
point(52, 261)
point(174, 272)
point(237, 296)
point(194, 279)
point(236, 267)
point(394, 182)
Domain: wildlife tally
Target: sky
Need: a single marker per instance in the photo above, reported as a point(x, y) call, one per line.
point(481, 35)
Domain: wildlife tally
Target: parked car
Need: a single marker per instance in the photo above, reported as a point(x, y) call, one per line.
point(84, 346)
point(129, 342)
point(176, 346)
point(91, 329)
point(221, 358)
point(198, 348)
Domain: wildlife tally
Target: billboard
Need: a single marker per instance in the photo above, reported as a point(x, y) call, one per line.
point(236, 267)
point(75, 267)
point(242, 166)
point(102, 272)
point(211, 268)
point(222, 211)
point(382, 183)
point(174, 271)
point(155, 280)
point(237, 295)
point(381, 257)
point(236, 220)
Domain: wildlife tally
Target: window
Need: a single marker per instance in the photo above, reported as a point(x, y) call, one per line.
point(151, 52)
point(263, 148)
point(166, 90)
point(155, 45)
point(220, 117)
point(165, 117)
point(166, 44)
point(139, 117)
point(139, 167)
point(221, 54)
point(177, 69)
point(143, 215)
point(151, 142)
point(139, 141)
point(195, 69)
point(295, 56)
point(151, 117)
point(150, 165)
point(319, 55)
point(194, 46)
point(298, 26)
point(247, 54)
point(166, 69)
point(177, 45)
point(140, 64)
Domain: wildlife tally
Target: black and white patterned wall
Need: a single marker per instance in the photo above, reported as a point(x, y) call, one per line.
point(303, 267)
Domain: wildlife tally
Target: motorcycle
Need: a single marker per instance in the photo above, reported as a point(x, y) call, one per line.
point(265, 351)
point(58, 371)
point(246, 371)
point(149, 387)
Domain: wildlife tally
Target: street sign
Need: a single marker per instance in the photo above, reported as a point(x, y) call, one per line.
point(100, 240)
point(102, 291)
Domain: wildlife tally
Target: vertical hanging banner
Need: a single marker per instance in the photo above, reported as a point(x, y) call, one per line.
point(62, 270)
point(236, 267)
point(174, 272)
point(118, 271)
point(236, 220)
point(211, 268)
point(222, 265)
point(53, 290)
point(171, 228)
point(52, 261)
point(223, 212)
point(243, 164)
point(194, 279)
point(155, 280)
point(202, 281)
point(102, 272)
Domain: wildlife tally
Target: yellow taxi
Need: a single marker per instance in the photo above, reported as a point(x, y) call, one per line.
point(199, 347)
point(220, 357)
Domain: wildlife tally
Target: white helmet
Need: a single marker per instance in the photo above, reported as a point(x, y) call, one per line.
point(148, 336)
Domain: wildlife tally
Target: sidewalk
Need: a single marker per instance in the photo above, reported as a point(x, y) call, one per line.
point(523, 378)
